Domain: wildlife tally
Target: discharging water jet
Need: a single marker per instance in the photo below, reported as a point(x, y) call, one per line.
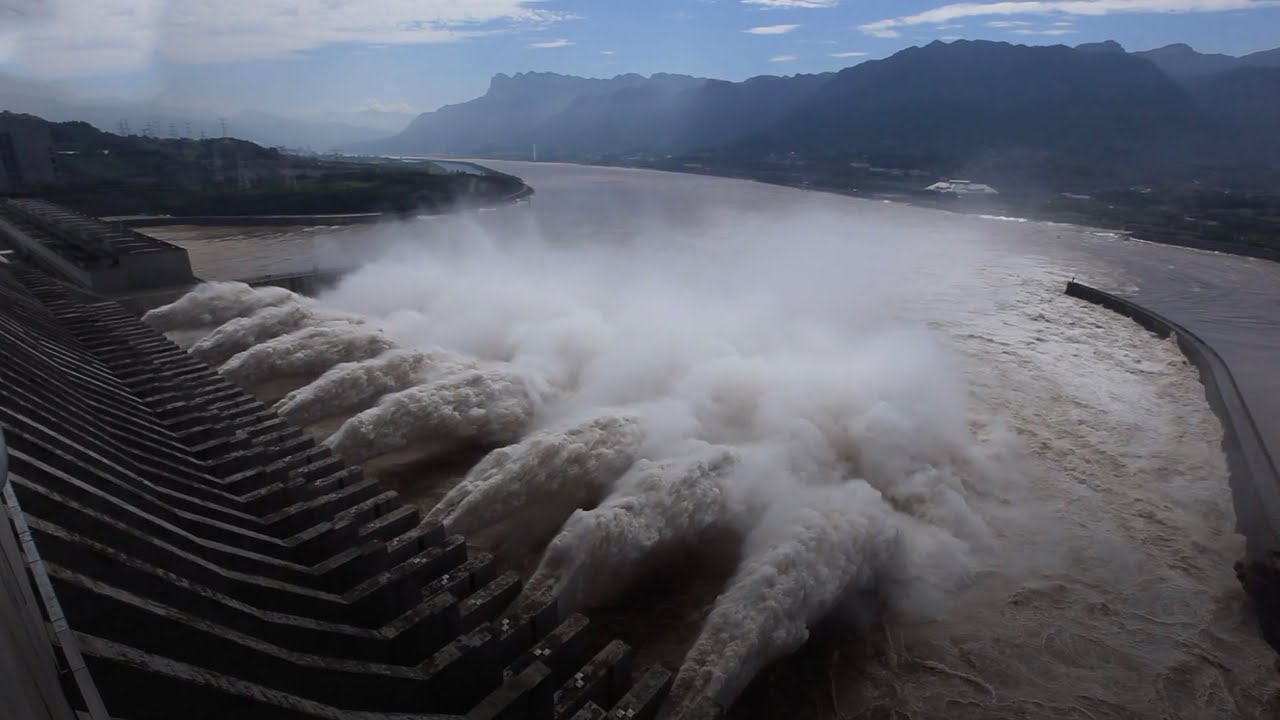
point(241, 334)
point(356, 386)
point(809, 551)
point(658, 508)
point(483, 406)
point(214, 303)
point(550, 474)
point(307, 352)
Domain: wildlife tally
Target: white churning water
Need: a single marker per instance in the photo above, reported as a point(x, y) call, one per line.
point(882, 408)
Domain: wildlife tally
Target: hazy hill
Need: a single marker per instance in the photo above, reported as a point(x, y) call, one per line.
point(510, 117)
point(1056, 117)
point(575, 118)
point(1182, 62)
point(1266, 58)
point(48, 102)
point(723, 112)
point(1246, 100)
point(107, 174)
point(1014, 112)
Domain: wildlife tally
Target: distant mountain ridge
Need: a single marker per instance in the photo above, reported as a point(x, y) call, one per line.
point(1051, 115)
point(1007, 111)
point(321, 134)
point(1182, 62)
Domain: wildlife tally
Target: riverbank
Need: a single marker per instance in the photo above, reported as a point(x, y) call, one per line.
point(1197, 219)
point(226, 180)
point(1128, 212)
point(310, 220)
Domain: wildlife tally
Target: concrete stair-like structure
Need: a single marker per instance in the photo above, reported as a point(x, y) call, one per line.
point(207, 560)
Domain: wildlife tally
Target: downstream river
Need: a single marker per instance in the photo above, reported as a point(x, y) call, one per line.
point(1072, 533)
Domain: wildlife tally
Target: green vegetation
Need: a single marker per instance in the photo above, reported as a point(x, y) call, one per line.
point(104, 174)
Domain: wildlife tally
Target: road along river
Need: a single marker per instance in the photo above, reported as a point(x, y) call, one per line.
point(737, 420)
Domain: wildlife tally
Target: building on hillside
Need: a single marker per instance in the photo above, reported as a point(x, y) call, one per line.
point(962, 187)
point(26, 154)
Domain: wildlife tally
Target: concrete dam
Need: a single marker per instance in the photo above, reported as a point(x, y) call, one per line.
point(172, 548)
point(514, 481)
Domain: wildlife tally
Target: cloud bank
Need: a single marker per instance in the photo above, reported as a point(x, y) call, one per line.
point(68, 38)
point(892, 27)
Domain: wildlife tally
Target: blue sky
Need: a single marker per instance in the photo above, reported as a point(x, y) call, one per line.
point(301, 57)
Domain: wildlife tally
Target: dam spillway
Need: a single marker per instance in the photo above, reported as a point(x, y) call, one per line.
point(193, 555)
point(1136, 465)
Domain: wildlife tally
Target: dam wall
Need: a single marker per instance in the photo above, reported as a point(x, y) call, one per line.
point(191, 554)
point(1255, 483)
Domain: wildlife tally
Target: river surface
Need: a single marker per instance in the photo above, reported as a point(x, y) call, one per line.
point(1089, 454)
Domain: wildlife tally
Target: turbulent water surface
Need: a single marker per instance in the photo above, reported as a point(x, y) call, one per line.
point(745, 424)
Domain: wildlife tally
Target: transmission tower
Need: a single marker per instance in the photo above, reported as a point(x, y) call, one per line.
point(223, 123)
point(124, 128)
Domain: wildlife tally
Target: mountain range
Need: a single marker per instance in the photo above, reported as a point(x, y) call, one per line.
point(321, 133)
point(1054, 116)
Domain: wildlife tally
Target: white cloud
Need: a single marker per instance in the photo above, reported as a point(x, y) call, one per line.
point(1066, 23)
point(608, 52)
point(949, 26)
point(99, 37)
point(782, 58)
point(1049, 31)
point(545, 44)
point(378, 106)
point(771, 29)
point(1006, 23)
point(892, 27)
point(848, 54)
point(791, 4)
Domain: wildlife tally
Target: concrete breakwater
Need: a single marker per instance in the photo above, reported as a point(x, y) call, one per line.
point(1255, 483)
point(208, 560)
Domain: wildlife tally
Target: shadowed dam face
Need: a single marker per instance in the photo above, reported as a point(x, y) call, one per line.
point(1017, 498)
